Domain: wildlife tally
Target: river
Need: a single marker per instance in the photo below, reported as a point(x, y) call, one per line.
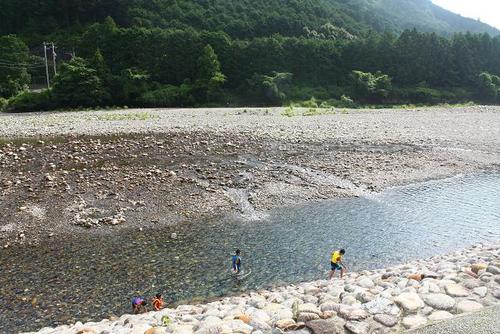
point(91, 277)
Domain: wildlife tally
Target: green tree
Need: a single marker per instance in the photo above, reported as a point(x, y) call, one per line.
point(270, 89)
point(369, 86)
point(78, 85)
point(489, 86)
point(210, 77)
point(14, 62)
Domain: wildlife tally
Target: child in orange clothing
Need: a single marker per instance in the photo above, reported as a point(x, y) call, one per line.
point(157, 302)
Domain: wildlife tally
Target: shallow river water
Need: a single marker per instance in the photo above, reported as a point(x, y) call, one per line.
point(90, 278)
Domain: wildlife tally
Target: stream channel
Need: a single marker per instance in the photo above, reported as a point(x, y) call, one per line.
point(91, 277)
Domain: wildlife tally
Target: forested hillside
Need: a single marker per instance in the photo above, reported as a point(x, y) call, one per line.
point(266, 52)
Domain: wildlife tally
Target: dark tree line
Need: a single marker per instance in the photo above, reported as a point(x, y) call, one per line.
point(228, 61)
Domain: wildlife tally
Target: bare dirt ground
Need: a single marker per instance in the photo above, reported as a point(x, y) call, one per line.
point(102, 171)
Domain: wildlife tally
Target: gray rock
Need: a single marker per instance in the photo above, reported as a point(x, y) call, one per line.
point(493, 270)
point(326, 326)
point(357, 327)
point(386, 320)
point(330, 306)
point(496, 293)
point(480, 291)
point(439, 301)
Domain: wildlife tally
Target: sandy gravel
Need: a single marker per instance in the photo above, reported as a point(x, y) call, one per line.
point(108, 170)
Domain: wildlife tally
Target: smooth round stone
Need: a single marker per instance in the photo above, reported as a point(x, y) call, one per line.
point(306, 316)
point(440, 315)
point(481, 291)
point(409, 301)
point(366, 282)
point(439, 301)
point(357, 327)
point(493, 270)
point(456, 290)
point(466, 306)
point(309, 308)
point(386, 320)
point(413, 321)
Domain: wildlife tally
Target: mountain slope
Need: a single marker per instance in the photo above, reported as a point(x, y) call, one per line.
point(426, 16)
point(241, 19)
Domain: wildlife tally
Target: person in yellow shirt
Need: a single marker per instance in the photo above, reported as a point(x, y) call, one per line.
point(337, 263)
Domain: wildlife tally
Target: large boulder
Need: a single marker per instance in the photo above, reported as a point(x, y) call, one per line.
point(409, 301)
point(439, 301)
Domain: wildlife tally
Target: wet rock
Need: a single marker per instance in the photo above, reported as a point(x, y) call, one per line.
point(386, 320)
point(413, 321)
point(466, 306)
point(409, 301)
point(439, 301)
point(456, 290)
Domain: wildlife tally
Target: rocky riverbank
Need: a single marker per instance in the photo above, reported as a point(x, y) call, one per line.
point(103, 171)
point(379, 301)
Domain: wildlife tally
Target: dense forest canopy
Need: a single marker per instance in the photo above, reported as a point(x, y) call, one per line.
point(199, 52)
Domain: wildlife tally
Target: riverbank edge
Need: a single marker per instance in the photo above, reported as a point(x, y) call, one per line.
point(376, 301)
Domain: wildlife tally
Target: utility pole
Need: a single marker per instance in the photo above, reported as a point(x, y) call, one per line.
point(54, 58)
point(46, 64)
